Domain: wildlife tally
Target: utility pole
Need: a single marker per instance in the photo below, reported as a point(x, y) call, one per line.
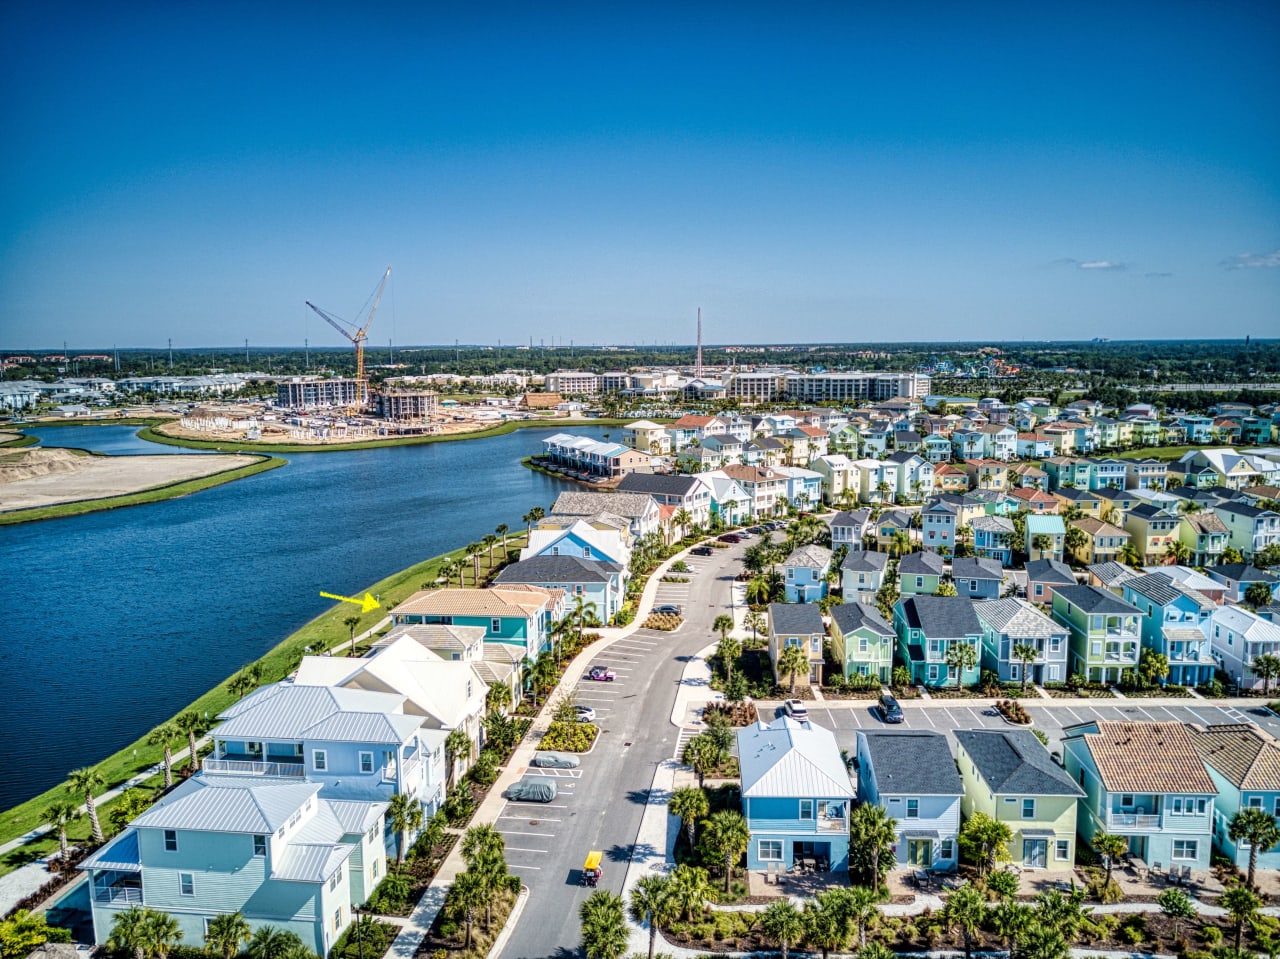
point(246, 351)
point(171, 353)
point(306, 353)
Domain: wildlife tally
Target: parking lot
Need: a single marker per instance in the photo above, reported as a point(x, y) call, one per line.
point(1049, 716)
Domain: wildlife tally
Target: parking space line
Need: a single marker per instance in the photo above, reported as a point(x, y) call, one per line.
point(522, 849)
point(925, 713)
point(1150, 718)
point(513, 832)
point(540, 819)
point(1074, 714)
point(520, 865)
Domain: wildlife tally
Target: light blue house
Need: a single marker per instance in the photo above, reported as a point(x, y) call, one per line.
point(938, 523)
point(911, 775)
point(993, 538)
point(977, 578)
point(1244, 765)
point(1174, 622)
point(805, 573)
point(272, 849)
point(796, 795)
point(1163, 805)
point(599, 584)
point(1009, 623)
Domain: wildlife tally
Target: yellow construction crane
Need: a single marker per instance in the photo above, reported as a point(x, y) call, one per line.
point(357, 334)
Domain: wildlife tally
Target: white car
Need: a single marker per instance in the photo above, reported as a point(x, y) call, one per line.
point(585, 714)
point(795, 708)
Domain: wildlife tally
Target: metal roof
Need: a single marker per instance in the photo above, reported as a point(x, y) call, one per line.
point(121, 854)
point(789, 758)
point(1018, 619)
point(207, 803)
point(324, 712)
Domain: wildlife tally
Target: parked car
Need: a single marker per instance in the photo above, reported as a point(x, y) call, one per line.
point(796, 709)
point(730, 538)
point(602, 674)
point(889, 709)
point(757, 530)
point(585, 714)
point(554, 760)
point(533, 789)
point(701, 551)
point(670, 608)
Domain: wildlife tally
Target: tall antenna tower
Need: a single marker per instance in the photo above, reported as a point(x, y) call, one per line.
point(697, 365)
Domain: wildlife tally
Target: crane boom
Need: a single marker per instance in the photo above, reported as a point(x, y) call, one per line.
point(356, 334)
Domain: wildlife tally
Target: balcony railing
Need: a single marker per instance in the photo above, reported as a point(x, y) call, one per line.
point(119, 894)
point(244, 767)
point(1129, 820)
point(840, 824)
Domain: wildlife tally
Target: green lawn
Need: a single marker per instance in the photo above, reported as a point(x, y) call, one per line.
point(326, 631)
point(1165, 452)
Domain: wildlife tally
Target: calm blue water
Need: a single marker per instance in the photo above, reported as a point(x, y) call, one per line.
point(117, 619)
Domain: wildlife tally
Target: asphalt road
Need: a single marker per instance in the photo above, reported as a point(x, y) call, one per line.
point(599, 805)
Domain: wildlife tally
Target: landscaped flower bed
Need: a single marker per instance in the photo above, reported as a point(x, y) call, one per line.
point(1171, 691)
point(1088, 691)
point(662, 621)
point(569, 737)
point(1013, 712)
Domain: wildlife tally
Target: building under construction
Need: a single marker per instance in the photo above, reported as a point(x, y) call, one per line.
point(407, 406)
point(304, 393)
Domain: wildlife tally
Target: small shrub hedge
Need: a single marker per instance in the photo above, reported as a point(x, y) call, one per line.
point(662, 621)
point(569, 737)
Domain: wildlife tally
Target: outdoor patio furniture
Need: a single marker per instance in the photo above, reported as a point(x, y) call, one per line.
point(1139, 867)
point(1186, 875)
point(1174, 876)
point(920, 878)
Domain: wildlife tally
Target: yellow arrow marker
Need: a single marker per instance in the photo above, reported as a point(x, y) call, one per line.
point(365, 604)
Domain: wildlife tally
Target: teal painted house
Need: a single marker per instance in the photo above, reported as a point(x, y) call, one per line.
point(1163, 805)
point(796, 795)
point(271, 849)
point(1174, 623)
point(516, 615)
point(1244, 765)
point(927, 627)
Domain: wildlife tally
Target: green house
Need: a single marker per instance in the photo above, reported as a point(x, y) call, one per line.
point(1106, 638)
point(861, 641)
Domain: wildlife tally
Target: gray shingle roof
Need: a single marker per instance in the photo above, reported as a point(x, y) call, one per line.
point(665, 484)
point(910, 762)
point(856, 518)
point(1012, 761)
point(1050, 571)
point(1241, 573)
point(801, 619)
point(851, 616)
point(1095, 599)
point(941, 617)
point(865, 561)
point(1156, 587)
point(920, 564)
point(1112, 574)
point(629, 505)
point(969, 568)
point(558, 569)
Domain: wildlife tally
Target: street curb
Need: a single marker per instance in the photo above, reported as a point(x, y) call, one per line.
point(509, 926)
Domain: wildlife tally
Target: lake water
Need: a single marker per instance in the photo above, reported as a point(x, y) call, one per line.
point(118, 619)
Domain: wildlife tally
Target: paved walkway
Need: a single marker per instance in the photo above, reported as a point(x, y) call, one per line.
point(424, 913)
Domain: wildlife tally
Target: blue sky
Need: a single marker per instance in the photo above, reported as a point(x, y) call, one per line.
point(597, 172)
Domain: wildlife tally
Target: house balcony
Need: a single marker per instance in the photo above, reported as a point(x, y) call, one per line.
point(119, 895)
point(1132, 822)
point(246, 767)
point(799, 826)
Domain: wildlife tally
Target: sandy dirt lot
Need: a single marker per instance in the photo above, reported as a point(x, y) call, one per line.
point(41, 477)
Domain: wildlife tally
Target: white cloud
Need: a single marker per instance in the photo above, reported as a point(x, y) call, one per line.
point(1252, 261)
point(1101, 265)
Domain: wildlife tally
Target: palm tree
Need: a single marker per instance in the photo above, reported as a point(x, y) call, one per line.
point(457, 746)
point(755, 621)
point(1177, 552)
point(729, 650)
point(1266, 667)
point(726, 835)
point(900, 543)
point(604, 928)
point(530, 518)
point(756, 558)
point(759, 591)
point(1110, 847)
point(1063, 912)
point(473, 551)
point(60, 814)
point(351, 622)
point(502, 529)
point(227, 932)
point(783, 924)
point(985, 840)
point(703, 754)
point(690, 805)
point(961, 656)
point(498, 698)
point(128, 931)
point(861, 903)
point(484, 850)
point(160, 932)
point(404, 814)
point(872, 833)
point(828, 924)
point(543, 674)
point(691, 889)
point(1041, 543)
point(1009, 920)
point(682, 518)
point(270, 942)
point(652, 902)
point(793, 661)
point(83, 782)
point(1040, 941)
point(1241, 905)
point(489, 541)
point(193, 724)
point(240, 684)
point(466, 897)
point(164, 735)
point(1026, 654)
point(1130, 556)
point(966, 908)
point(1259, 830)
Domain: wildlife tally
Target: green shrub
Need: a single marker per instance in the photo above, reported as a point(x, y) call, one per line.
point(569, 737)
point(1211, 935)
point(484, 772)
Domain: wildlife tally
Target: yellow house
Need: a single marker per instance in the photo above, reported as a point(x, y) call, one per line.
point(1103, 544)
point(1011, 777)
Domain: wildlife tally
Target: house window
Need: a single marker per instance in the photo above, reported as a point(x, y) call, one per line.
point(1255, 802)
point(1185, 848)
point(495, 625)
point(1126, 802)
point(366, 762)
point(586, 552)
point(170, 840)
point(806, 808)
point(1028, 809)
point(319, 760)
point(770, 850)
point(337, 919)
point(1062, 850)
point(186, 884)
point(333, 880)
point(919, 582)
point(913, 808)
point(259, 845)
point(947, 851)
point(973, 585)
point(374, 869)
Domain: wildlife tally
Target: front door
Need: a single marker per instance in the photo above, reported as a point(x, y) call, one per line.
point(1035, 853)
point(920, 852)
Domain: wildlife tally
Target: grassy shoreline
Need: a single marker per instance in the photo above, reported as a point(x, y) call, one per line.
point(326, 631)
point(247, 446)
point(152, 494)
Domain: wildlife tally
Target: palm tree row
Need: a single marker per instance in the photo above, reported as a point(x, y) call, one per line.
point(148, 933)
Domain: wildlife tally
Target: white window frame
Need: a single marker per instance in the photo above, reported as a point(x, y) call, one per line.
point(171, 840)
point(765, 848)
point(1031, 805)
point(187, 884)
point(913, 809)
point(1062, 850)
point(495, 625)
point(947, 849)
point(320, 760)
point(366, 760)
point(806, 810)
point(1190, 849)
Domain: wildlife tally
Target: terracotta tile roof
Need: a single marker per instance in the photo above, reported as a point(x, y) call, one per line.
point(1242, 753)
point(514, 600)
point(812, 431)
point(1146, 757)
point(690, 421)
point(1097, 527)
point(946, 469)
point(1034, 437)
point(1033, 495)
